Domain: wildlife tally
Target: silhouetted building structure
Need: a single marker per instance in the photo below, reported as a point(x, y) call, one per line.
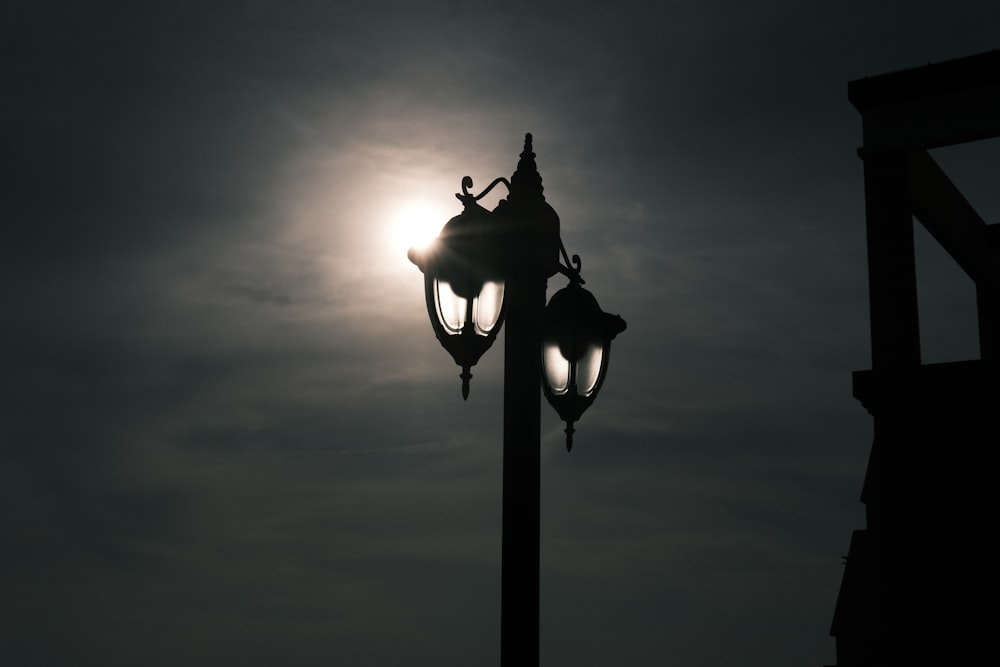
point(921, 581)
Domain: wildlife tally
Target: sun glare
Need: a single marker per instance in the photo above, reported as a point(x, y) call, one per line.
point(415, 224)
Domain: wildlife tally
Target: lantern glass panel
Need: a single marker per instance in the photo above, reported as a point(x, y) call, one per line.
point(556, 368)
point(588, 369)
point(451, 308)
point(487, 306)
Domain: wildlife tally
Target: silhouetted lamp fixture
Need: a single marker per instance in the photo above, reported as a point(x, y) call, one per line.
point(464, 290)
point(490, 268)
point(463, 282)
point(576, 346)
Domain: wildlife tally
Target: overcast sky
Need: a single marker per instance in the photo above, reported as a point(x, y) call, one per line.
point(227, 432)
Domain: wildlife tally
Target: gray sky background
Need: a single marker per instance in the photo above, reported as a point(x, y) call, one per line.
point(227, 433)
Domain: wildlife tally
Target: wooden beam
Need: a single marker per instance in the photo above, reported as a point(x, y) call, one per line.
point(892, 275)
point(942, 104)
point(952, 221)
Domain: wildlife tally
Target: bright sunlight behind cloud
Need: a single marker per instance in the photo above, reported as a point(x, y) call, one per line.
point(415, 223)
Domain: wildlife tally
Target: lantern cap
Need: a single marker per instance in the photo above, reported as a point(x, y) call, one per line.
point(574, 306)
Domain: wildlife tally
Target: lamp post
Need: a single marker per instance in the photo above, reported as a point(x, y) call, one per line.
point(491, 268)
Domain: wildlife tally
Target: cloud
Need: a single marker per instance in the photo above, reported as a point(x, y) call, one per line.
point(228, 432)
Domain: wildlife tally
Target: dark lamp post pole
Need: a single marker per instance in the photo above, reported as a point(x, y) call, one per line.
point(488, 269)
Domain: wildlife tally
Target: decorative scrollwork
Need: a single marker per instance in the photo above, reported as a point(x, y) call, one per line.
point(571, 268)
point(468, 198)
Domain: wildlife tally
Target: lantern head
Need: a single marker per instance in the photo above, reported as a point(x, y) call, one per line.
point(463, 286)
point(576, 344)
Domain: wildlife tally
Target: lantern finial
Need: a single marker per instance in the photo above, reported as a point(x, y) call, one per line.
point(526, 182)
point(466, 376)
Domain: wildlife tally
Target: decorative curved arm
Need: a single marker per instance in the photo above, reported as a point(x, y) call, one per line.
point(572, 268)
point(466, 198)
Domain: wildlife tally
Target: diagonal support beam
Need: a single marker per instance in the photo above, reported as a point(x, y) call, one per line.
point(952, 221)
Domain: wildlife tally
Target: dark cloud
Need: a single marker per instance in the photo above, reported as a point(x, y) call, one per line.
point(228, 434)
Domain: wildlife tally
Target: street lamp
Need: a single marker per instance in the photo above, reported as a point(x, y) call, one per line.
point(464, 283)
point(576, 347)
point(489, 269)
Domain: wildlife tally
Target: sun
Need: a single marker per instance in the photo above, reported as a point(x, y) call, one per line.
point(414, 224)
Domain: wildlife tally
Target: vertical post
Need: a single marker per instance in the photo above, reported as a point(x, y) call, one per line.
point(892, 274)
point(989, 322)
point(530, 248)
point(521, 468)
